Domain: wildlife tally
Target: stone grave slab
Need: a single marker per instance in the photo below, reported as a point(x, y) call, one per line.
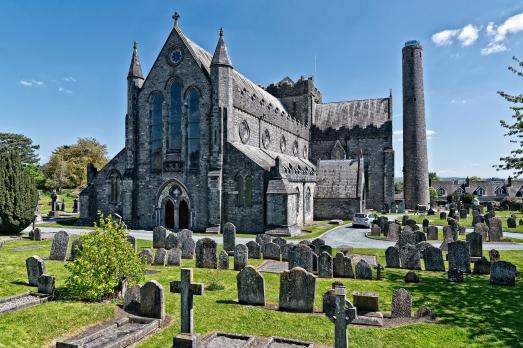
point(278, 342)
point(370, 259)
point(24, 300)
point(273, 266)
point(27, 247)
point(229, 340)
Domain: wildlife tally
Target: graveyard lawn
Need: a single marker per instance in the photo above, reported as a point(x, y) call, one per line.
point(317, 229)
point(66, 195)
point(472, 313)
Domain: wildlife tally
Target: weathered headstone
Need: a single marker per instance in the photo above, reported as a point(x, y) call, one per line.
point(60, 246)
point(160, 257)
point(394, 231)
point(131, 300)
point(251, 287)
point(174, 257)
point(392, 257)
point(159, 236)
point(76, 246)
point(410, 257)
point(475, 241)
point(223, 260)
point(432, 233)
point(263, 239)
point(316, 245)
point(146, 255)
point(241, 257)
point(172, 241)
point(35, 268)
point(254, 250)
point(132, 240)
point(326, 248)
point(46, 284)
point(152, 302)
point(455, 275)
point(297, 289)
point(206, 253)
point(448, 237)
point(285, 250)
point(443, 215)
point(494, 256)
point(363, 270)
point(325, 269)
point(463, 213)
point(482, 229)
point(482, 266)
point(280, 241)
point(37, 234)
point(425, 223)
point(503, 273)
point(301, 256)
point(366, 301)
point(459, 256)
point(188, 246)
point(411, 277)
point(401, 304)
point(271, 251)
point(419, 237)
point(433, 259)
point(511, 222)
point(229, 237)
point(406, 237)
point(495, 232)
point(342, 266)
point(375, 230)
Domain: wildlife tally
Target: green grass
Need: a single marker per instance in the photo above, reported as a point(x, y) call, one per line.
point(66, 195)
point(317, 229)
point(473, 313)
point(64, 223)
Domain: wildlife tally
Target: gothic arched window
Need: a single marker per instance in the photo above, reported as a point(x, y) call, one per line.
point(240, 191)
point(155, 111)
point(248, 191)
point(175, 117)
point(114, 181)
point(193, 128)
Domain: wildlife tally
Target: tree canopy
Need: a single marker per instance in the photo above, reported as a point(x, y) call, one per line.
point(20, 144)
point(67, 165)
point(514, 161)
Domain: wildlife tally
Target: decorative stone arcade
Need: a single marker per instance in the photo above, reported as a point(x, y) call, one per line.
point(173, 209)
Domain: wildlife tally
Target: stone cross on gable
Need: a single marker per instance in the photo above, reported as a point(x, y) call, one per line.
point(187, 289)
point(344, 314)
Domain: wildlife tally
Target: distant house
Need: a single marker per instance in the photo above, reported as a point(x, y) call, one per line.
point(484, 190)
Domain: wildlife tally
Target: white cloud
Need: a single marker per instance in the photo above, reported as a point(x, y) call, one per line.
point(30, 83)
point(444, 37)
point(493, 47)
point(510, 26)
point(468, 35)
point(69, 79)
point(491, 29)
point(64, 91)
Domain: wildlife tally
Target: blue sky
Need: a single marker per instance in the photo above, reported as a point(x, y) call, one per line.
point(64, 63)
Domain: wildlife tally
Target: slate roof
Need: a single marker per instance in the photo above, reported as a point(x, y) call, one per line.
point(338, 179)
point(349, 114)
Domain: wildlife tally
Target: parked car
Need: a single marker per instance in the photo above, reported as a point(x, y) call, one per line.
point(363, 220)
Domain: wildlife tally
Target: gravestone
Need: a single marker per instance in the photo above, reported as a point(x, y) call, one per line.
point(459, 256)
point(454, 275)
point(280, 241)
point(363, 270)
point(172, 241)
point(152, 302)
point(401, 304)
point(375, 230)
point(271, 251)
point(503, 273)
point(482, 266)
point(419, 237)
point(482, 229)
point(131, 300)
point(394, 231)
point(251, 287)
point(433, 259)
point(159, 236)
point(425, 223)
point(477, 219)
point(263, 238)
point(229, 237)
point(301, 256)
point(494, 256)
point(160, 257)
point(406, 237)
point(443, 215)
point(316, 244)
point(463, 213)
point(35, 268)
point(297, 289)
point(475, 241)
point(46, 284)
point(285, 249)
point(511, 222)
point(146, 255)
point(184, 234)
point(174, 257)
point(76, 246)
point(188, 246)
point(326, 248)
point(325, 269)
point(410, 257)
point(254, 250)
point(187, 289)
point(223, 260)
point(392, 257)
point(411, 277)
point(241, 257)
point(60, 246)
point(404, 219)
point(366, 301)
point(495, 232)
point(132, 241)
point(448, 237)
point(37, 234)
point(342, 266)
point(432, 233)
point(206, 253)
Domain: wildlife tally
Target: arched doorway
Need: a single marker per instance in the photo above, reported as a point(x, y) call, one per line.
point(183, 214)
point(169, 214)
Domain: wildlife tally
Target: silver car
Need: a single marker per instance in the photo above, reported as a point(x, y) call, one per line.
point(363, 220)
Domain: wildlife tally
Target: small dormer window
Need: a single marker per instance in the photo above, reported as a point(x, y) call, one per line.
point(500, 191)
point(480, 191)
point(459, 190)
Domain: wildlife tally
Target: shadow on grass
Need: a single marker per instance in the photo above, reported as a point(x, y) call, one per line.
point(226, 302)
point(17, 282)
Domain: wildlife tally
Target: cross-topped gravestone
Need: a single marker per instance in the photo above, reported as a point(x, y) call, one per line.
point(187, 289)
point(344, 313)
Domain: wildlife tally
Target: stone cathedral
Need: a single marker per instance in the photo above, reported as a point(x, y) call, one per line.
point(204, 146)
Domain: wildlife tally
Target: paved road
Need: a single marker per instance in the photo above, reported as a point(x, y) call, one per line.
point(340, 236)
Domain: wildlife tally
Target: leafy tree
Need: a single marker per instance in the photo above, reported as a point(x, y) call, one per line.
point(433, 193)
point(104, 260)
point(475, 178)
point(37, 174)
point(433, 176)
point(398, 186)
point(514, 161)
point(18, 195)
point(67, 165)
point(20, 144)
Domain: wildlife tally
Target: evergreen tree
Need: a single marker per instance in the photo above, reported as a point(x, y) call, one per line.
point(22, 145)
point(514, 161)
point(18, 195)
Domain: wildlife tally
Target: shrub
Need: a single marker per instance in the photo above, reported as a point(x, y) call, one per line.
point(467, 198)
point(103, 262)
point(18, 195)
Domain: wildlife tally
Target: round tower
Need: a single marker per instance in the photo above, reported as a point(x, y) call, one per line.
point(415, 163)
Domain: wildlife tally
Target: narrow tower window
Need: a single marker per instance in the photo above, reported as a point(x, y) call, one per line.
point(193, 129)
point(175, 117)
point(248, 191)
point(156, 122)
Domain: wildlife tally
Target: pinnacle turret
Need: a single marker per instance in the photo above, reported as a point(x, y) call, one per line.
point(221, 56)
point(135, 70)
